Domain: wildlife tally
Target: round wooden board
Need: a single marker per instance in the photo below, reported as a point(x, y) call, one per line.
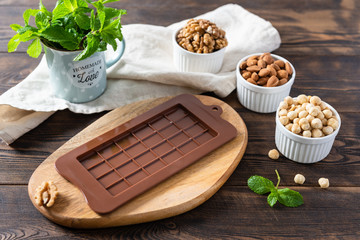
point(180, 193)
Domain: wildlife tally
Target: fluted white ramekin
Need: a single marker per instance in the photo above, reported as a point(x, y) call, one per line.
point(186, 61)
point(302, 149)
point(262, 99)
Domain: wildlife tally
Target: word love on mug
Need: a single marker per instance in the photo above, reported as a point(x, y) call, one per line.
point(87, 73)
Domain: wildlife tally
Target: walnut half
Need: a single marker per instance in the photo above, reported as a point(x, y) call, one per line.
point(46, 194)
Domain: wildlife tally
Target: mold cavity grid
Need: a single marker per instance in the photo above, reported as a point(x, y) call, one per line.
point(149, 148)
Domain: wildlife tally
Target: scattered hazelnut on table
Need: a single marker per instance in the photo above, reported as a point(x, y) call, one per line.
point(299, 179)
point(324, 182)
point(274, 154)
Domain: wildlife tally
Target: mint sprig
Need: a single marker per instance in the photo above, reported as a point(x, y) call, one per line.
point(85, 25)
point(285, 196)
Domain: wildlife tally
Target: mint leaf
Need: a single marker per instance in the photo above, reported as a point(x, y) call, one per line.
point(100, 12)
point(290, 198)
point(59, 35)
point(91, 47)
point(260, 185)
point(82, 3)
point(28, 13)
point(82, 20)
point(41, 20)
point(272, 198)
point(14, 43)
point(60, 11)
point(70, 4)
point(15, 27)
point(108, 38)
point(44, 10)
point(34, 49)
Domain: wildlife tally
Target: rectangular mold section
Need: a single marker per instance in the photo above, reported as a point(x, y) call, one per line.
point(126, 161)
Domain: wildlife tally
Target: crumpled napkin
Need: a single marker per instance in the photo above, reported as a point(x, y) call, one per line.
point(146, 69)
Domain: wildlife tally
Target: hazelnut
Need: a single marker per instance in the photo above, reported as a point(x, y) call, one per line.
point(299, 179)
point(316, 133)
point(332, 122)
point(292, 115)
point(283, 112)
point(324, 182)
point(284, 120)
point(295, 128)
point(302, 99)
point(289, 100)
point(316, 123)
point(307, 133)
point(327, 130)
point(315, 100)
point(327, 113)
point(274, 154)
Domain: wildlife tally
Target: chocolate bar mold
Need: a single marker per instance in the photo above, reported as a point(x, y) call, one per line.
point(133, 157)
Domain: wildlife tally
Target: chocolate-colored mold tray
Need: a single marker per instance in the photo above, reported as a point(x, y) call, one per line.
point(126, 161)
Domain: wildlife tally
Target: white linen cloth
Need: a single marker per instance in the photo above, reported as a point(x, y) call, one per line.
point(146, 69)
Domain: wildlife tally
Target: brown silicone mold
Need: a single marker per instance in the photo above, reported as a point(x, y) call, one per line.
point(126, 161)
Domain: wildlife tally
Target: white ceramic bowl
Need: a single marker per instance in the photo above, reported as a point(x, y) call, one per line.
point(302, 149)
point(262, 99)
point(186, 61)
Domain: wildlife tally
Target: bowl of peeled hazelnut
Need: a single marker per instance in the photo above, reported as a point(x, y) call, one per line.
point(199, 47)
point(263, 80)
point(306, 128)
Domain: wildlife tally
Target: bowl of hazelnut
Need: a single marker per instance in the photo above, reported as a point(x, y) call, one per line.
point(199, 47)
point(306, 128)
point(263, 80)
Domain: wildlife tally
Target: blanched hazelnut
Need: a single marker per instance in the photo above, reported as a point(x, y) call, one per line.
point(295, 128)
point(316, 123)
point(292, 115)
point(302, 99)
point(289, 100)
point(283, 112)
point(316, 133)
point(284, 120)
point(313, 111)
point(309, 118)
point(315, 100)
point(332, 122)
point(289, 126)
point(324, 182)
point(305, 126)
point(274, 154)
point(283, 105)
point(323, 106)
point(303, 121)
point(308, 106)
point(327, 130)
point(296, 121)
point(299, 179)
point(307, 133)
point(303, 114)
point(327, 113)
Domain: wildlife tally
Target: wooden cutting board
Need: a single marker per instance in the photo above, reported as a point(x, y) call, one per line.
point(180, 193)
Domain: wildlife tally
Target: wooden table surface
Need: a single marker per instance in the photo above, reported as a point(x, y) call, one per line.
point(320, 38)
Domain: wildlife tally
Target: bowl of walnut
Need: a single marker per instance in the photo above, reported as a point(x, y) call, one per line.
point(263, 80)
point(199, 47)
point(306, 128)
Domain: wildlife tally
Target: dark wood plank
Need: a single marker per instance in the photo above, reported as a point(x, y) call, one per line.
point(321, 39)
point(305, 27)
point(330, 213)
